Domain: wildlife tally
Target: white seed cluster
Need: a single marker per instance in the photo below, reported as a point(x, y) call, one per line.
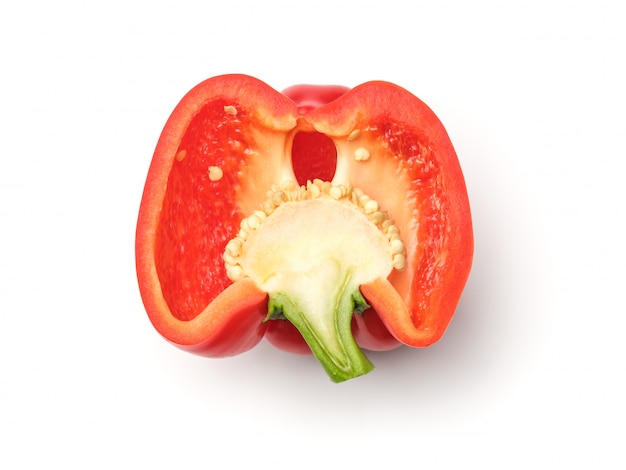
point(289, 191)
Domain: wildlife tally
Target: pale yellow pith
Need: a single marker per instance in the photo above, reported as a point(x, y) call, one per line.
point(299, 228)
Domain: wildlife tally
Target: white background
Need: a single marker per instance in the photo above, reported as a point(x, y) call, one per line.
point(530, 373)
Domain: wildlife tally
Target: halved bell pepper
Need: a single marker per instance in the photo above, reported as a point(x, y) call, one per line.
point(324, 219)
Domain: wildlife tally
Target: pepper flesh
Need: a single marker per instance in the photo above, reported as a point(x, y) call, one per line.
point(387, 142)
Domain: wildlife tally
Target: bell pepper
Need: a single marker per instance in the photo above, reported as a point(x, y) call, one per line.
point(327, 220)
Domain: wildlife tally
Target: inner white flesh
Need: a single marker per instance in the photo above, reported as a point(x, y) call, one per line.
point(315, 251)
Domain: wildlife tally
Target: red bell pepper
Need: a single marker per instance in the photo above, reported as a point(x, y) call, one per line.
point(324, 219)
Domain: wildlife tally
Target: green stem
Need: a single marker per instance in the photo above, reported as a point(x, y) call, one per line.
point(325, 325)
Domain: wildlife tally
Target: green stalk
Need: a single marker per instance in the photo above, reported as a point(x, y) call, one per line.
point(331, 339)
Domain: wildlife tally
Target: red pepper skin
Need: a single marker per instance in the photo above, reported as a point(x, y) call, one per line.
point(186, 218)
point(310, 97)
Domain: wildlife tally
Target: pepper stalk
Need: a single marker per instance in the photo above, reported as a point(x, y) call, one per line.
point(310, 248)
